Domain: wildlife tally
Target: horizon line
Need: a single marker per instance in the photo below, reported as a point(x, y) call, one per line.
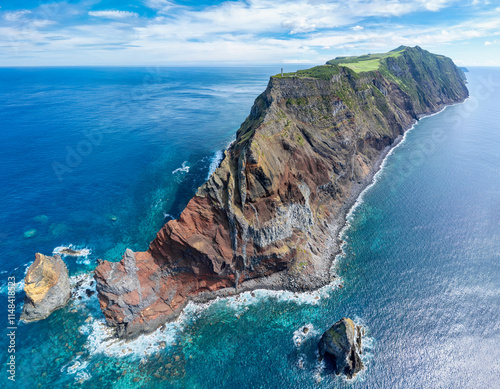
point(211, 65)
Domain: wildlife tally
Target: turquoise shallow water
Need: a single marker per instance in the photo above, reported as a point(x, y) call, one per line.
point(421, 263)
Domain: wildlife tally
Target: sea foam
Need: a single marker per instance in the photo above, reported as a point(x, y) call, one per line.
point(305, 332)
point(77, 367)
point(214, 163)
point(83, 288)
point(183, 169)
point(101, 339)
point(81, 253)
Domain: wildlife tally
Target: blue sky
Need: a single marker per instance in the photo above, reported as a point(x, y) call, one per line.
point(252, 32)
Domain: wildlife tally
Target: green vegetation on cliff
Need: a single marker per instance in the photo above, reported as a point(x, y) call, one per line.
point(417, 72)
point(368, 62)
point(322, 72)
point(339, 115)
point(360, 64)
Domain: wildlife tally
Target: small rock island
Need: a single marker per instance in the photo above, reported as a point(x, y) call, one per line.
point(46, 286)
point(341, 346)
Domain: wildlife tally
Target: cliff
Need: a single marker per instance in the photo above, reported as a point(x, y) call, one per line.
point(270, 214)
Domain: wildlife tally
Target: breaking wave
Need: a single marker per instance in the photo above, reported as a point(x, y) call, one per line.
point(215, 162)
point(183, 169)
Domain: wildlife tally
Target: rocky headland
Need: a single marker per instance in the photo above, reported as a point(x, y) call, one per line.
point(46, 287)
point(270, 214)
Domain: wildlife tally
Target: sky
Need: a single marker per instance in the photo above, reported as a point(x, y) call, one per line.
point(234, 33)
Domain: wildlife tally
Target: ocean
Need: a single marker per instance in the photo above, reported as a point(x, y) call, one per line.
point(99, 158)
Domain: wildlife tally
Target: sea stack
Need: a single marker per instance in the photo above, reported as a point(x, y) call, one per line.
point(270, 214)
point(341, 345)
point(46, 286)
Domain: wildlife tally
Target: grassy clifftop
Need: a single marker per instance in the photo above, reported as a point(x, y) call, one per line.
point(417, 72)
point(359, 64)
point(364, 63)
point(368, 62)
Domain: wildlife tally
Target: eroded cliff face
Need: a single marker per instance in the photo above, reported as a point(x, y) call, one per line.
point(269, 214)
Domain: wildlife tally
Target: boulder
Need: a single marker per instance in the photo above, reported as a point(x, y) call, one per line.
point(46, 286)
point(341, 345)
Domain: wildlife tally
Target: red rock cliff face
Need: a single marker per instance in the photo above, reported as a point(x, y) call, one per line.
point(268, 215)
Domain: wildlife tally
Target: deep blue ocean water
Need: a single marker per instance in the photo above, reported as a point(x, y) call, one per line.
point(100, 158)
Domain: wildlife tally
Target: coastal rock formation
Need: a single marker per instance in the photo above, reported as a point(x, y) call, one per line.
point(71, 252)
point(46, 286)
point(341, 346)
point(268, 217)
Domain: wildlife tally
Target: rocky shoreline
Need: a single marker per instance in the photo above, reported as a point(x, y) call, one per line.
point(275, 282)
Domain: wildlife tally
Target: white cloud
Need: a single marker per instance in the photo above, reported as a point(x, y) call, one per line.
point(435, 5)
point(298, 25)
point(293, 16)
point(163, 6)
point(235, 31)
point(14, 16)
point(113, 14)
point(489, 43)
point(298, 61)
point(159, 4)
point(42, 23)
point(490, 62)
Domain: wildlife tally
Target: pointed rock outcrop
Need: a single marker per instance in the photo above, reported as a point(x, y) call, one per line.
point(341, 346)
point(46, 286)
